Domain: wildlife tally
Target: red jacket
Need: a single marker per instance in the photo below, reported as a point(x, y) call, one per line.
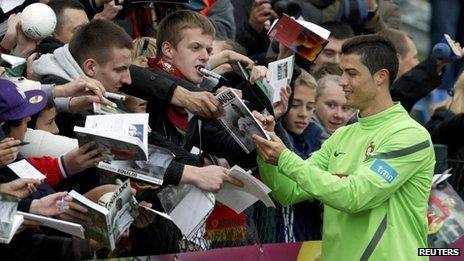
point(51, 167)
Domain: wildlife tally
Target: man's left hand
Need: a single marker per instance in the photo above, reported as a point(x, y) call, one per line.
point(269, 150)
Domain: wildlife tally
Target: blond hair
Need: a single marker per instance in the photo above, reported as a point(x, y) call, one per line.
point(323, 82)
point(150, 50)
point(306, 79)
point(454, 103)
point(170, 28)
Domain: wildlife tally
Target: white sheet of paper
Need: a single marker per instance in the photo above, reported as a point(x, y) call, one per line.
point(192, 211)
point(24, 169)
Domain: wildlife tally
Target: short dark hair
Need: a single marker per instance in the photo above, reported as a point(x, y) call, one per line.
point(376, 52)
point(170, 28)
point(58, 6)
point(339, 30)
point(97, 40)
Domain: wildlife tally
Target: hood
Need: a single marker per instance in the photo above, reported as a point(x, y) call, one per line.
point(325, 133)
point(59, 63)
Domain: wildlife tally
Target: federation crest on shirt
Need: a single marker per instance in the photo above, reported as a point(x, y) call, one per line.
point(369, 151)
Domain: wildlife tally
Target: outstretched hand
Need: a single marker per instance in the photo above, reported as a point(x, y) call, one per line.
point(210, 178)
point(281, 107)
point(83, 86)
point(51, 205)
point(20, 188)
point(267, 122)
point(82, 158)
point(8, 151)
point(203, 104)
point(269, 150)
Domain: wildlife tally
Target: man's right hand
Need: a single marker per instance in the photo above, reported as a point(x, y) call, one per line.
point(267, 122)
point(210, 178)
point(261, 11)
point(83, 86)
point(8, 151)
point(82, 158)
point(20, 188)
point(75, 213)
point(203, 104)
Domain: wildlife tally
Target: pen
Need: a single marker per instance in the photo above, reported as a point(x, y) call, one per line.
point(116, 96)
point(62, 203)
point(143, 52)
point(211, 74)
point(22, 143)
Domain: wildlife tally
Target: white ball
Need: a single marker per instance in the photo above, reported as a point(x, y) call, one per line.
point(38, 21)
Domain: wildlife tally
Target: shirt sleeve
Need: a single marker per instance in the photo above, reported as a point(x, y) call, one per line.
point(285, 189)
point(403, 156)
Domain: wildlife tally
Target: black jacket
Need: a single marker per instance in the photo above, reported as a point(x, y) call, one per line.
point(416, 83)
point(48, 45)
point(253, 41)
point(447, 128)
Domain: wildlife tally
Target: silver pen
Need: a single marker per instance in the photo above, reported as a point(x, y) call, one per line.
point(211, 74)
point(112, 95)
point(62, 203)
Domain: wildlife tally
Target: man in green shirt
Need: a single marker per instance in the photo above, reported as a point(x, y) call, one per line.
point(373, 177)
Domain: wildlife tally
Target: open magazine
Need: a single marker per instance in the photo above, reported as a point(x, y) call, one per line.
point(124, 136)
point(151, 171)
point(445, 215)
point(281, 75)
point(61, 225)
point(305, 38)
point(107, 223)
point(238, 120)
point(187, 206)
point(240, 198)
point(9, 220)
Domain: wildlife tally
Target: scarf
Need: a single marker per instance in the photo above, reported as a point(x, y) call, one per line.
point(178, 116)
point(225, 225)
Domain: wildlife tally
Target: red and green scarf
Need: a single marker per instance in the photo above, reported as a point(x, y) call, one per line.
point(178, 116)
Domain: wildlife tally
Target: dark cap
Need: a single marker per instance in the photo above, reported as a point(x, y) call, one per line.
point(16, 104)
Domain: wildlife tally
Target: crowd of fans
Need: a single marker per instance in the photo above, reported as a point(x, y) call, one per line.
point(151, 54)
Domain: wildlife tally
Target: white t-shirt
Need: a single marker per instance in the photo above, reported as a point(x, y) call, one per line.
point(43, 143)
